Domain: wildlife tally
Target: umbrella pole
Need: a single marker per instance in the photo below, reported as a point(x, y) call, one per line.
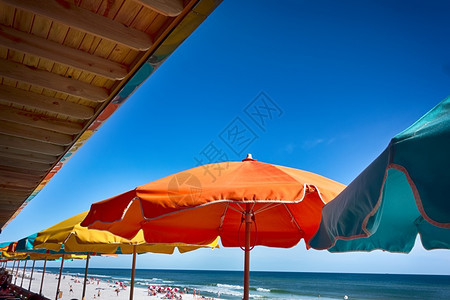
point(23, 274)
point(42, 279)
point(31, 276)
point(248, 227)
point(17, 272)
point(85, 277)
point(59, 279)
point(133, 268)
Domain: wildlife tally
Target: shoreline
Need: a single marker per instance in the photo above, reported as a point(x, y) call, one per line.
point(71, 287)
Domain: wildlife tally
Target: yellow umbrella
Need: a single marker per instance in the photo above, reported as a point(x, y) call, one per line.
point(40, 256)
point(69, 236)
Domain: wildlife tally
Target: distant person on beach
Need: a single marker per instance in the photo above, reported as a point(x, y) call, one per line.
point(71, 289)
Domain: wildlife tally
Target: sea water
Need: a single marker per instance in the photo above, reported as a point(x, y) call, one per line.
point(283, 285)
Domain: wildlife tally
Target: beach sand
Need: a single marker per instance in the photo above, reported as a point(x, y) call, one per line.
point(107, 289)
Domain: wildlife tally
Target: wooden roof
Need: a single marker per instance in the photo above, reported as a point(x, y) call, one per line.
point(65, 67)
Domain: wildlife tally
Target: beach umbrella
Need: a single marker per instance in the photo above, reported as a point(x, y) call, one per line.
point(18, 256)
point(25, 245)
point(280, 205)
point(69, 236)
point(401, 194)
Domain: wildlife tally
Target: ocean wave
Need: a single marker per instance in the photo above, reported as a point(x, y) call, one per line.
point(99, 276)
point(263, 290)
point(223, 291)
point(230, 286)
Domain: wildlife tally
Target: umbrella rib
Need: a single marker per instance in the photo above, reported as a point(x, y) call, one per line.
point(267, 207)
point(235, 209)
point(237, 203)
point(196, 207)
point(223, 215)
point(292, 218)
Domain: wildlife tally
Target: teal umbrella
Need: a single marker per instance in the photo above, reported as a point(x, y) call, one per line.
point(401, 194)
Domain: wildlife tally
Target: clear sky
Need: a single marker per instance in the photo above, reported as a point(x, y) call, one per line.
point(346, 77)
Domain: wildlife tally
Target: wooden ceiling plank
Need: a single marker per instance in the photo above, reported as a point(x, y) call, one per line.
point(87, 21)
point(157, 26)
point(170, 8)
point(32, 166)
point(52, 81)
point(37, 134)
point(4, 176)
point(107, 8)
point(68, 56)
point(144, 19)
point(23, 185)
point(41, 26)
point(22, 170)
point(8, 202)
point(18, 196)
point(17, 192)
point(7, 212)
point(38, 101)
point(39, 121)
point(128, 12)
point(30, 145)
point(6, 14)
point(23, 20)
point(6, 152)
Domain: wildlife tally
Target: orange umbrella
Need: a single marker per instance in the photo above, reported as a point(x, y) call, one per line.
point(280, 205)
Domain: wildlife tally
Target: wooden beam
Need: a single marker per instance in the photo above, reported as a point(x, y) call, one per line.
point(52, 81)
point(37, 101)
point(9, 203)
point(37, 134)
point(13, 163)
point(26, 155)
point(170, 8)
point(42, 102)
point(33, 146)
point(23, 185)
point(22, 171)
point(6, 213)
point(35, 120)
point(18, 181)
point(87, 21)
point(18, 193)
point(31, 44)
point(5, 178)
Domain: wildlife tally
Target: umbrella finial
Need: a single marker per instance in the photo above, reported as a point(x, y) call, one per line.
point(249, 158)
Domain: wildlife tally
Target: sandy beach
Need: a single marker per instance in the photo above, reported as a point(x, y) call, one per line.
point(96, 288)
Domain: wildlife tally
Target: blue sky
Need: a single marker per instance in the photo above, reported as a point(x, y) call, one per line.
point(346, 77)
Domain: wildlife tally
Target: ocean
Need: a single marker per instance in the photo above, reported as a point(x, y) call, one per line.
point(283, 285)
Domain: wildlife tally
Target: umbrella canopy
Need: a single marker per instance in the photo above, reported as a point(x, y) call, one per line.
point(283, 205)
point(69, 236)
point(39, 256)
point(401, 194)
